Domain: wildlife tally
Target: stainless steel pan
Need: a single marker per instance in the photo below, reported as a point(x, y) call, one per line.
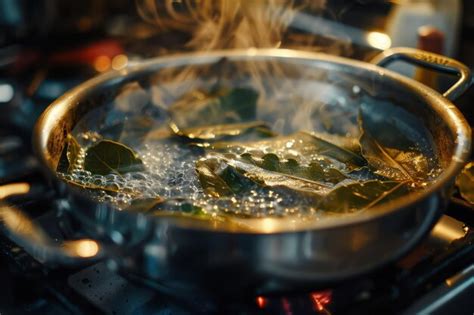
point(185, 255)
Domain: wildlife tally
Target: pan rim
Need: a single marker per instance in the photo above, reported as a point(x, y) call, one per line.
point(447, 111)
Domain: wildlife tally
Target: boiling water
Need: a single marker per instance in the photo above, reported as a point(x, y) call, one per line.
point(170, 167)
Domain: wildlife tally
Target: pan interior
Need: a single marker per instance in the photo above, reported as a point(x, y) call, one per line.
point(158, 114)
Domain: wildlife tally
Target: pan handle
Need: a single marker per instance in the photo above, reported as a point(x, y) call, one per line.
point(36, 241)
point(430, 61)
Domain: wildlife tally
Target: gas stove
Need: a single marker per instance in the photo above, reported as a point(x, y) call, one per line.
point(437, 277)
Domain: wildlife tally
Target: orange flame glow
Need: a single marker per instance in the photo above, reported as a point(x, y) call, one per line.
point(261, 301)
point(321, 299)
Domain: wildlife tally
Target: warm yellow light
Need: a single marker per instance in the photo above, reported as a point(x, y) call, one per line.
point(102, 63)
point(86, 248)
point(268, 225)
point(119, 62)
point(379, 40)
point(14, 189)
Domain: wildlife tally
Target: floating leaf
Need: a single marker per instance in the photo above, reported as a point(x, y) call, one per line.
point(395, 142)
point(300, 145)
point(465, 182)
point(236, 132)
point(362, 195)
point(320, 171)
point(349, 143)
point(238, 176)
point(107, 157)
point(218, 179)
point(69, 155)
point(200, 108)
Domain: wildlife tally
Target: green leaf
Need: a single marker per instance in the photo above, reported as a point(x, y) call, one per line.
point(465, 182)
point(362, 195)
point(228, 175)
point(107, 157)
point(218, 180)
point(69, 155)
point(348, 143)
point(395, 143)
point(235, 132)
point(320, 171)
point(298, 146)
point(200, 108)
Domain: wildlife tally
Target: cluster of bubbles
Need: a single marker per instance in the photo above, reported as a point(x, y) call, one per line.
point(170, 174)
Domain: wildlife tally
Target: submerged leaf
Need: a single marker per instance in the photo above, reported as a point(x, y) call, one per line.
point(200, 108)
point(465, 182)
point(129, 130)
point(107, 157)
point(236, 132)
point(300, 145)
point(349, 143)
point(362, 195)
point(395, 143)
point(69, 155)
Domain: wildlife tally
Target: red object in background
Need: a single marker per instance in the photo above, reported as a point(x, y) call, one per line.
point(88, 54)
point(82, 55)
point(431, 39)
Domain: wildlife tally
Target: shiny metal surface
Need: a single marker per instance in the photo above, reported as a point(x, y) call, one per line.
point(431, 61)
point(185, 255)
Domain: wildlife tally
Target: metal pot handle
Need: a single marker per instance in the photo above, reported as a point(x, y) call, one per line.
point(430, 61)
point(36, 241)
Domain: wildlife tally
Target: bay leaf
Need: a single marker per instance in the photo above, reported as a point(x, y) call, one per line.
point(350, 143)
point(320, 171)
point(298, 146)
point(239, 176)
point(200, 108)
point(465, 182)
point(357, 196)
point(218, 179)
point(395, 143)
point(235, 132)
point(110, 157)
point(129, 130)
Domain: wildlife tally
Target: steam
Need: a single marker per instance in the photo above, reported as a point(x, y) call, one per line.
point(228, 24)
point(241, 24)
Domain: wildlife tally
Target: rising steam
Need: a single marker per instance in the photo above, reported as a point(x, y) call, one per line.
point(227, 24)
point(241, 24)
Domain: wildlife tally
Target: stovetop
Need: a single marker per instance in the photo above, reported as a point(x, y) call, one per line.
point(437, 277)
